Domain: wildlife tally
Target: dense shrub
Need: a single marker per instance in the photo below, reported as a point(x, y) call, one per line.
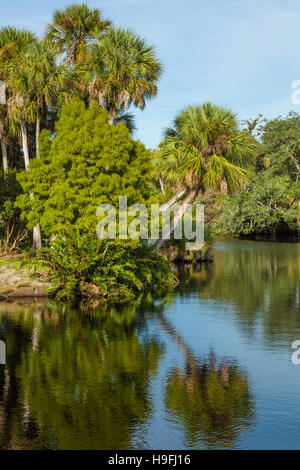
point(86, 163)
point(81, 266)
point(268, 205)
point(13, 233)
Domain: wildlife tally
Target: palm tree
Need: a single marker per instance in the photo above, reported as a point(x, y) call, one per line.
point(204, 149)
point(124, 70)
point(13, 43)
point(34, 81)
point(73, 29)
point(41, 80)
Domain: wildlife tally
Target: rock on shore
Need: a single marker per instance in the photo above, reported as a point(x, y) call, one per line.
point(18, 282)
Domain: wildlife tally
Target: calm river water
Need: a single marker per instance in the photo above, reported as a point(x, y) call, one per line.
point(206, 366)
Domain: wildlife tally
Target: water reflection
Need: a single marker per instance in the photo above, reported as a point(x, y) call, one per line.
point(88, 378)
point(261, 280)
point(75, 380)
point(80, 379)
point(210, 400)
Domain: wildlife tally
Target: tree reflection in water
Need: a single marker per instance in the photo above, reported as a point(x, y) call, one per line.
point(261, 280)
point(75, 380)
point(210, 400)
point(80, 379)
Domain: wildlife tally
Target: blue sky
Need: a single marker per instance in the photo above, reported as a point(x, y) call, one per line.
point(238, 53)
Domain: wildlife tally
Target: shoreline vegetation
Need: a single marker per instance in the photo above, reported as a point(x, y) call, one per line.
point(68, 146)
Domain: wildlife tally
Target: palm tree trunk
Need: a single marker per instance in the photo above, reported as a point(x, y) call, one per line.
point(37, 237)
point(37, 135)
point(172, 201)
point(25, 143)
point(112, 117)
point(11, 151)
point(178, 217)
point(4, 155)
point(161, 182)
point(223, 186)
point(164, 207)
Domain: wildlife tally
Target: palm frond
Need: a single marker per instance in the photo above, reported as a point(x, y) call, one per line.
point(205, 146)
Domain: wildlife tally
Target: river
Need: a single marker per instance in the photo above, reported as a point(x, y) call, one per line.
point(205, 366)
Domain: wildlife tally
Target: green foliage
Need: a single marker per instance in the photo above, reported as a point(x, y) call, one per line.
point(73, 29)
point(13, 42)
point(268, 204)
point(280, 150)
point(205, 147)
point(81, 266)
point(12, 230)
point(125, 70)
point(35, 83)
point(87, 163)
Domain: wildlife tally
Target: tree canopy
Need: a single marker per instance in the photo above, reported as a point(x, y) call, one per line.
point(269, 204)
point(86, 163)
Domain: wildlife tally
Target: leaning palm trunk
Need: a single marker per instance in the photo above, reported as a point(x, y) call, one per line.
point(178, 217)
point(172, 201)
point(168, 328)
point(161, 182)
point(192, 365)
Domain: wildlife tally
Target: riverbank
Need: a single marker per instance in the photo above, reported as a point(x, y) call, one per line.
point(28, 281)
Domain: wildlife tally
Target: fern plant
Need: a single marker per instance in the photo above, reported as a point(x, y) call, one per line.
point(79, 266)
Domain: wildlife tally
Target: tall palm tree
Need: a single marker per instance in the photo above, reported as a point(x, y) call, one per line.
point(13, 43)
point(125, 70)
point(40, 79)
point(34, 81)
point(205, 148)
point(73, 29)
